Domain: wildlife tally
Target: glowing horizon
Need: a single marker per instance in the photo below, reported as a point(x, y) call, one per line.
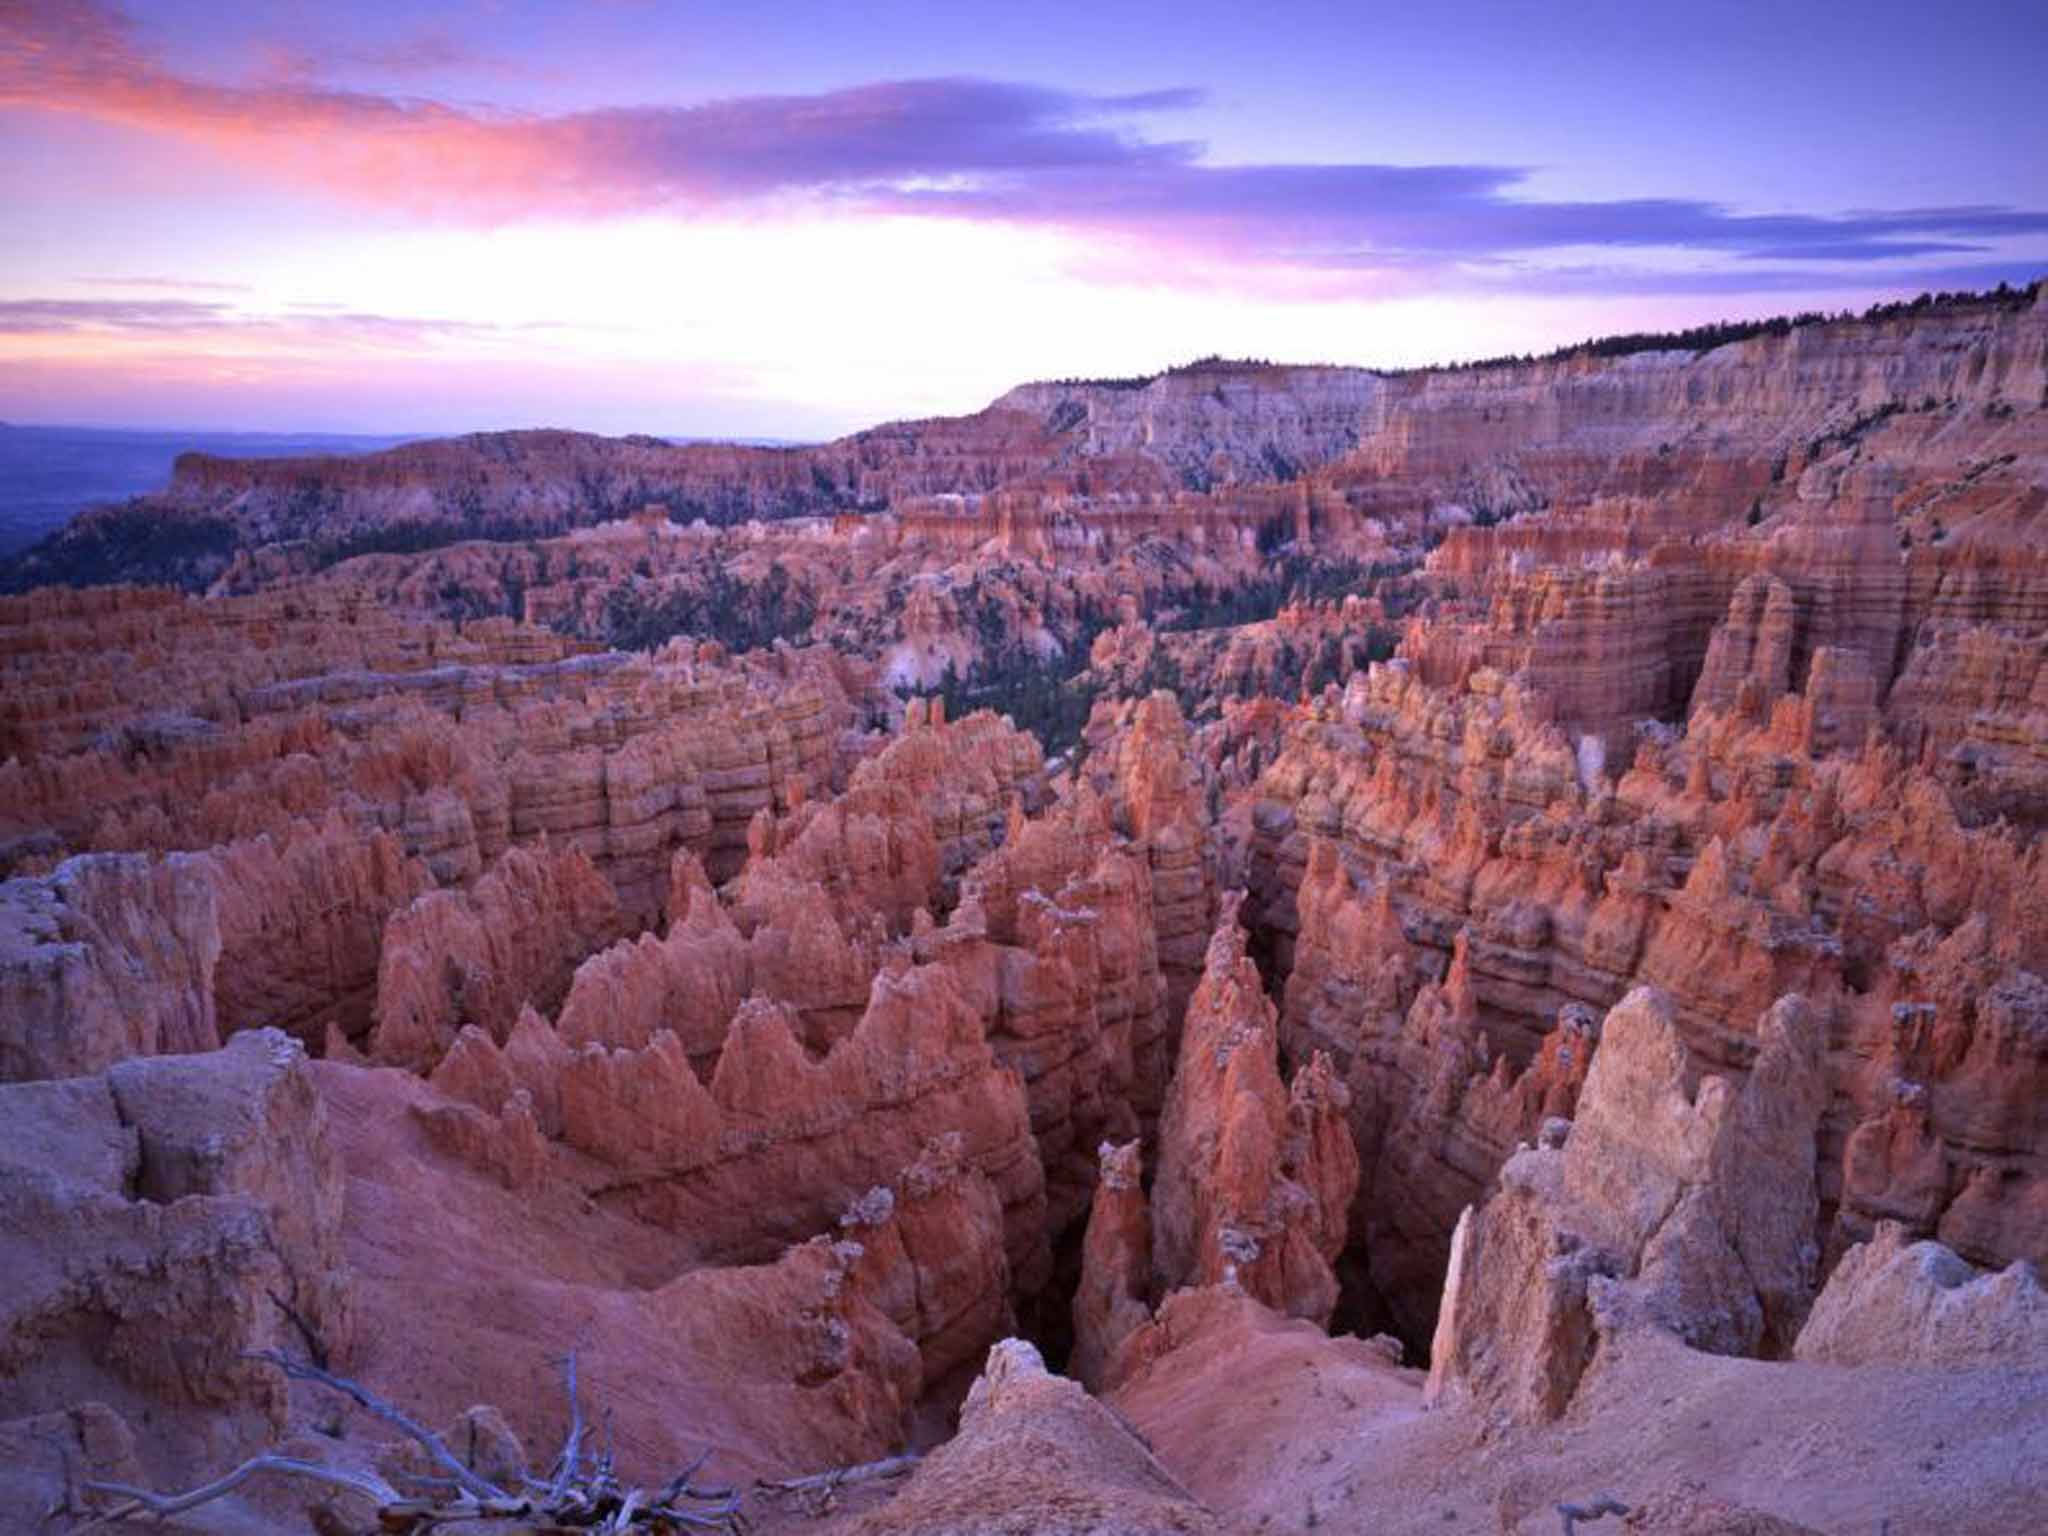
point(749, 221)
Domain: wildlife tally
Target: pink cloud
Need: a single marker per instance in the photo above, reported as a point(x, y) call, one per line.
point(943, 148)
point(218, 324)
point(170, 284)
point(78, 57)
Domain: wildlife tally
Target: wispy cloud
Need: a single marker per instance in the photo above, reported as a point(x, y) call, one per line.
point(948, 148)
point(189, 318)
point(29, 317)
point(424, 52)
point(171, 284)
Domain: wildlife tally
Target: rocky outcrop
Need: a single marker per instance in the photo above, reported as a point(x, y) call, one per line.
point(788, 1042)
point(1892, 1301)
point(786, 1033)
point(44, 1457)
point(1435, 1108)
point(303, 914)
point(697, 1157)
point(537, 482)
point(455, 958)
point(1727, 867)
point(930, 1257)
point(162, 1220)
point(110, 956)
point(1354, 975)
point(1227, 1392)
point(456, 740)
point(1255, 1175)
point(347, 766)
point(143, 678)
point(1073, 972)
point(1938, 1133)
point(1975, 696)
point(1142, 760)
point(1419, 785)
point(1036, 1452)
point(690, 980)
point(1725, 424)
point(1749, 659)
point(871, 854)
point(1719, 1206)
point(1596, 642)
point(1116, 1267)
point(1686, 1204)
point(814, 1357)
point(1306, 646)
point(962, 775)
point(1437, 1111)
point(1214, 422)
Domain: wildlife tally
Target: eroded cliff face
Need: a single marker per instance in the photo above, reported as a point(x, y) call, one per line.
point(1141, 758)
point(599, 1160)
point(344, 772)
point(1674, 1202)
point(1407, 834)
point(1256, 1173)
point(165, 1218)
point(1895, 1302)
point(815, 1356)
point(1665, 425)
point(1213, 423)
point(105, 958)
point(1633, 770)
point(450, 739)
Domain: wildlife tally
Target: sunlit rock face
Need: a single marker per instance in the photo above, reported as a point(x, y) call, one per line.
point(1256, 1173)
point(1443, 835)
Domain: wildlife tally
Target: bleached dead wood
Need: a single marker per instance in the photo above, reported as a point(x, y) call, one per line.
point(819, 1490)
point(583, 1494)
point(566, 1467)
point(143, 1502)
point(838, 1477)
point(465, 1479)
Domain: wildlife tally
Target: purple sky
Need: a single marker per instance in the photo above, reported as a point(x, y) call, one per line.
point(781, 219)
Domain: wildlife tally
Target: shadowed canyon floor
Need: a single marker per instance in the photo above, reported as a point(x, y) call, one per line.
point(1262, 950)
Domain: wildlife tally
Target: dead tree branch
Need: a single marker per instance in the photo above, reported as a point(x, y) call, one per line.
point(141, 1501)
point(567, 1462)
point(465, 1479)
point(583, 1494)
point(316, 1344)
point(818, 1491)
point(838, 1477)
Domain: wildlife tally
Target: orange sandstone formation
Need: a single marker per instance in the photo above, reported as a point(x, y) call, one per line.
point(1634, 765)
point(1255, 1175)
